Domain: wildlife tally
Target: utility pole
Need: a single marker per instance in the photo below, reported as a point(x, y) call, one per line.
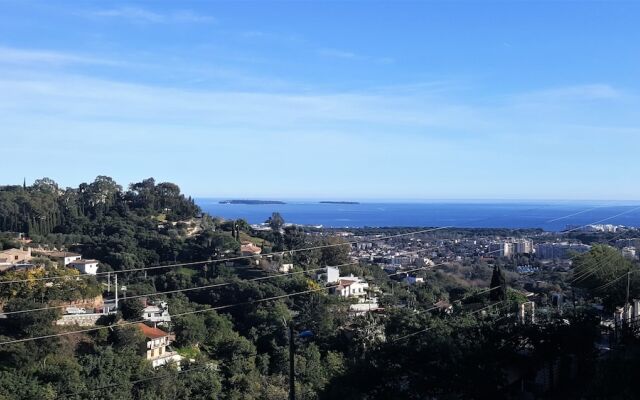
point(109, 282)
point(628, 282)
point(116, 277)
point(292, 364)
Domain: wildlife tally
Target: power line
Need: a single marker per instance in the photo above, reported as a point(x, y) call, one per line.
point(215, 285)
point(598, 266)
point(251, 256)
point(433, 327)
point(207, 366)
point(602, 220)
point(215, 261)
point(611, 283)
point(593, 269)
point(578, 213)
point(262, 300)
point(127, 323)
point(233, 305)
point(179, 372)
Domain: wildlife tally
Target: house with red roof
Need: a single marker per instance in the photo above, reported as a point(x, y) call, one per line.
point(158, 351)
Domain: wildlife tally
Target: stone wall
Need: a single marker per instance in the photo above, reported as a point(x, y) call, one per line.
point(79, 319)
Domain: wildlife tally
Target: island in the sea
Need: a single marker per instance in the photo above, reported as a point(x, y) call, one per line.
point(339, 202)
point(252, 202)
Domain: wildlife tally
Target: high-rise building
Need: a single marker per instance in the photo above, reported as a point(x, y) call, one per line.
point(560, 250)
point(511, 247)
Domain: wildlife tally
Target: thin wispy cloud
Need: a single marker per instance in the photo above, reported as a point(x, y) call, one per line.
point(425, 112)
point(10, 55)
point(422, 126)
point(142, 15)
point(348, 55)
point(270, 36)
point(593, 91)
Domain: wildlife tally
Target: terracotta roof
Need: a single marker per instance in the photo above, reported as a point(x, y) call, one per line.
point(250, 248)
point(14, 251)
point(151, 333)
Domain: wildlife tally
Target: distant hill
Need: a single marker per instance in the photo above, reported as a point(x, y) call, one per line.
point(252, 202)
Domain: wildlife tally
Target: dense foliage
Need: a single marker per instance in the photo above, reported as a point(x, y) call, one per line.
point(234, 331)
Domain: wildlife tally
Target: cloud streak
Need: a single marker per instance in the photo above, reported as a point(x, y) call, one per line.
point(142, 15)
point(482, 145)
point(348, 55)
point(10, 55)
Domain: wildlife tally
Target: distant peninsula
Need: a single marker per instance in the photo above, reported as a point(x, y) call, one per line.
point(252, 202)
point(339, 202)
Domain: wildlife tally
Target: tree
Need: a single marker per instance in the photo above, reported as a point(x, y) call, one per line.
point(602, 271)
point(46, 185)
point(498, 285)
point(30, 323)
point(131, 309)
point(275, 221)
point(337, 253)
point(190, 330)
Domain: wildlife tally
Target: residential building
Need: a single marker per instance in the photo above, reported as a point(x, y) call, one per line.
point(331, 276)
point(560, 250)
point(629, 252)
point(15, 256)
point(364, 306)
point(157, 348)
point(285, 268)
point(157, 313)
point(63, 258)
point(351, 286)
point(89, 267)
point(523, 246)
point(502, 249)
point(512, 247)
point(363, 245)
point(634, 242)
point(250, 249)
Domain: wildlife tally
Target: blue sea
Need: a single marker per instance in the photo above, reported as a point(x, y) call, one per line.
point(550, 216)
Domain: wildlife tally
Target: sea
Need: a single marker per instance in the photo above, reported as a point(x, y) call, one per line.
point(551, 216)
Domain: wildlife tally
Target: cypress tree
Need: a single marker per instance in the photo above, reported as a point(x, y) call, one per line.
point(498, 281)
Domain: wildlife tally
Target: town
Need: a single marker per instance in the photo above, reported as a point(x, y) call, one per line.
point(367, 276)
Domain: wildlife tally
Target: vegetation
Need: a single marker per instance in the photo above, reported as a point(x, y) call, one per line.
point(234, 332)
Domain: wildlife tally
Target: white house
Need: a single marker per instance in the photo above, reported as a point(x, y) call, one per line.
point(63, 258)
point(351, 286)
point(157, 313)
point(157, 347)
point(89, 267)
point(364, 306)
point(331, 276)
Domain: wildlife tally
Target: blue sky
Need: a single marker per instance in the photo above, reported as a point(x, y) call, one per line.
point(344, 100)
